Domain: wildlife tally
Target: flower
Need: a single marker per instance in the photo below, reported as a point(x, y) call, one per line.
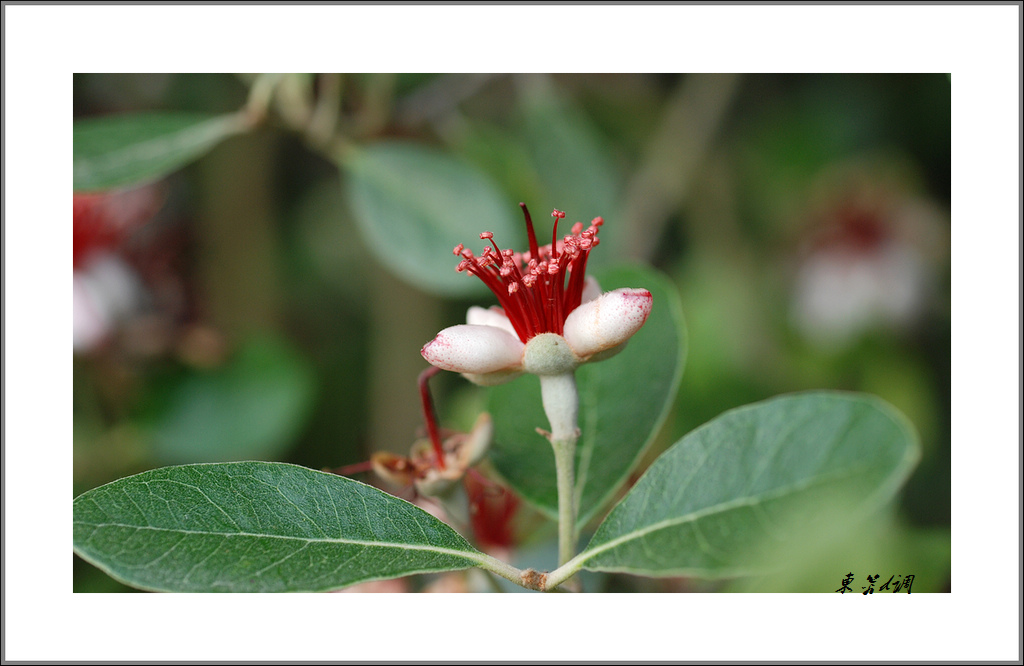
point(870, 259)
point(552, 316)
point(433, 476)
point(435, 464)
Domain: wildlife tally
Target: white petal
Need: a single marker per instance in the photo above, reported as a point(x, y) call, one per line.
point(493, 316)
point(474, 349)
point(591, 289)
point(607, 321)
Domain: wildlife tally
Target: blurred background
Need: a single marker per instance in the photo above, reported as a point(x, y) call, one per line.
point(268, 299)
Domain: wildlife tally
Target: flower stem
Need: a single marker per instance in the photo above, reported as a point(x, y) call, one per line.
point(565, 458)
point(429, 415)
point(561, 404)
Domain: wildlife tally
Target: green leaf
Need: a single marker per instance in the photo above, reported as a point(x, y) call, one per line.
point(118, 151)
point(571, 159)
point(623, 402)
point(414, 205)
point(729, 493)
point(817, 563)
point(252, 407)
point(503, 155)
point(575, 167)
point(257, 527)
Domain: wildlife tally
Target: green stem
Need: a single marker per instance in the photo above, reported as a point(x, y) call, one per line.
point(565, 458)
point(561, 404)
point(529, 578)
point(566, 571)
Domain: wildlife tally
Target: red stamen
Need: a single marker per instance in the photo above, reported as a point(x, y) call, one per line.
point(529, 232)
point(531, 287)
point(429, 415)
point(554, 236)
point(496, 248)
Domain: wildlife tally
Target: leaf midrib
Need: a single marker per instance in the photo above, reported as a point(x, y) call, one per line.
point(711, 510)
point(471, 555)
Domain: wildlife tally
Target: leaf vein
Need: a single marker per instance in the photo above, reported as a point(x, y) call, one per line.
point(711, 510)
point(471, 555)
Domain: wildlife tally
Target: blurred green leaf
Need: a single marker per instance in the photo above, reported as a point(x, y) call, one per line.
point(414, 205)
point(623, 402)
point(574, 166)
point(819, 560)
point(257, 527)
point(730, 323)
point(117, 151)
point(249, 408)
point(726, 495)
point(505, 158)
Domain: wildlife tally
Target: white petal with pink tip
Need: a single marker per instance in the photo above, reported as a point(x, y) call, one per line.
point(474, 349)
point(607, 321)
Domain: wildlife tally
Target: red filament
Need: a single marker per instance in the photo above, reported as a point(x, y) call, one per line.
point(539, 289)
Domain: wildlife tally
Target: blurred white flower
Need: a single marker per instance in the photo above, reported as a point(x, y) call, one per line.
point(107, 290)
point(869, 267)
